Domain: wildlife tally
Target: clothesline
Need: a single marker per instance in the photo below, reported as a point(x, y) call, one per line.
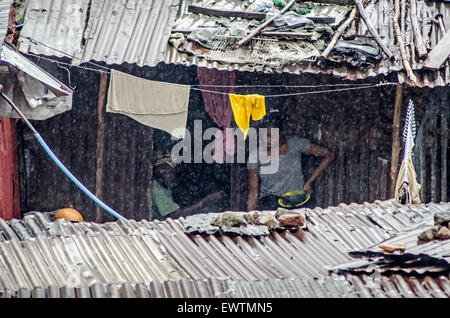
point(200, 89)
point(107, 70)
point(305, 93)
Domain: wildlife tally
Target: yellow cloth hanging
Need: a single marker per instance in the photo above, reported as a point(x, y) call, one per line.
point(246, 107)
point(414, 186)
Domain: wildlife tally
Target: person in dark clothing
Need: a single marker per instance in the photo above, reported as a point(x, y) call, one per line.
point(265, 188)
point(163, 205)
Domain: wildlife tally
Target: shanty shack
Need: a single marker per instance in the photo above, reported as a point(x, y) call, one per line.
point(340, 72)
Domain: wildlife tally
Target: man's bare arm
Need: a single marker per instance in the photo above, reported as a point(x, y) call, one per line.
point(318, 151)
point(193, 209)
point(253, 188)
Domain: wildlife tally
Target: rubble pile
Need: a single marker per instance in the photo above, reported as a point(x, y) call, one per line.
point(440, 230)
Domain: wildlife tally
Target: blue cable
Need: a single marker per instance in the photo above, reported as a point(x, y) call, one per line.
point(60, 165)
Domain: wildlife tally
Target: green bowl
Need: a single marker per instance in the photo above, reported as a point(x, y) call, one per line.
point(294, 199)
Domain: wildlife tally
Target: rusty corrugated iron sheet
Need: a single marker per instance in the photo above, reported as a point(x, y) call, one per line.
point(380, 12)
point(62, 259)
point(110, 31)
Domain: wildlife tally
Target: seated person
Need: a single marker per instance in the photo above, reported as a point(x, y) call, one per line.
point(266, 189)
point(163, 205)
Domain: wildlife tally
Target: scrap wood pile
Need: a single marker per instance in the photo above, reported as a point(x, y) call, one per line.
point(280, 33)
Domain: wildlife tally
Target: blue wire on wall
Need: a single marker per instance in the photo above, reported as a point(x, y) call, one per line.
point(60, 165)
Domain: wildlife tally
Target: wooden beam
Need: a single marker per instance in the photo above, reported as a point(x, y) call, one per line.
point(418, 41)
point(100, 143)
point(401, 44)
point(439, 54)
point(227, 13)
point(396, 139)
point(321, 19)
point(265, 24)
point(363, 14)
point(339, 32)
point(292, 35)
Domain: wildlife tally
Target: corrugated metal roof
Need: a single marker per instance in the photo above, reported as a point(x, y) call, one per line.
point(336, 286)
point(57, 24)
point(37, 254)
point(131, 31)
point(381, 13)
point(84, 260)
point(111, 31)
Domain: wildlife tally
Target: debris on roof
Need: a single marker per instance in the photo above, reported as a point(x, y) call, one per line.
point(440, 230)
point(245, 224)
point(298, 50)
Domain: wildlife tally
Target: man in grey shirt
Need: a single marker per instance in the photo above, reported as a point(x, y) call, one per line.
point(266, 186)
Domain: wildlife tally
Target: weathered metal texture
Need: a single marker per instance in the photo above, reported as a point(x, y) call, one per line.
point(347, 286)
point(331, 234)
point(114, 32)
point(352, 226)
point(57, 24)
point(129, 31)
point(329, 287)
point(9, 173)
point(42, 258)
point(380, 12)
point(85, 260)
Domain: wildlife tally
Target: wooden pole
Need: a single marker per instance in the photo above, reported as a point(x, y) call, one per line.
point(376, 36)
point(100, 142)
point(401, 44)
point(339, 32)
point(265, 24)
point(418, 41)
point(396, 139)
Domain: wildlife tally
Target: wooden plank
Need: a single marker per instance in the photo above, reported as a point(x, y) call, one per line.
point(292, 35)
point(418, 41)
point(439, 54)
point(398, 34)
point(321, 19)
point(100, 143)
point(396, 139)
point(227, 13)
